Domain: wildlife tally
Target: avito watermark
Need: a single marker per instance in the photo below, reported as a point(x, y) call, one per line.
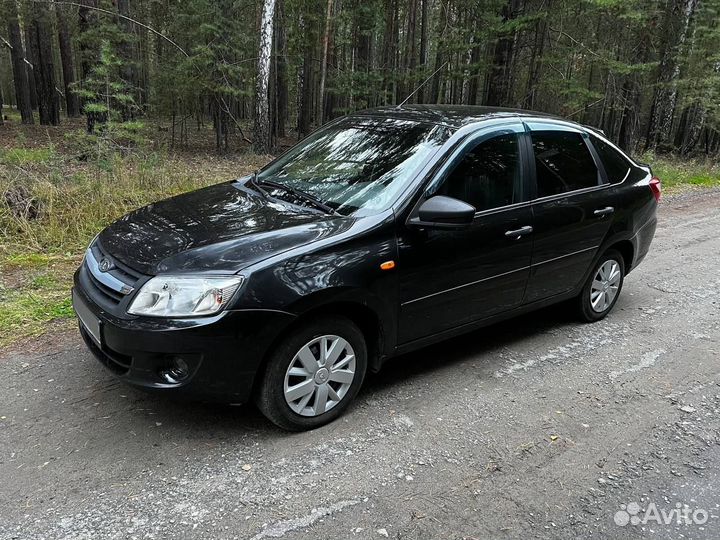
point(682, 514)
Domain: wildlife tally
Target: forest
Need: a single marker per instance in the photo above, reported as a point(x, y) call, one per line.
point(252, 72)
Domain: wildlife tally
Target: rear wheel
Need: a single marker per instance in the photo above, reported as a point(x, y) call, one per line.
point(603, 287)
point(313, 374)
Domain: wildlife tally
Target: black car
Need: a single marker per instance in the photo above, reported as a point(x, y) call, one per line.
point(380, 233)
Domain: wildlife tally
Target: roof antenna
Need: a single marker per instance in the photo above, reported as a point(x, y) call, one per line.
point(419, 86)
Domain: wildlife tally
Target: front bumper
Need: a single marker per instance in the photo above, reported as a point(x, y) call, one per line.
point(223, 352)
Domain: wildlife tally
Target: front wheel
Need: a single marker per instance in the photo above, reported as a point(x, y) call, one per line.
point(603, 287)
point(313, 374)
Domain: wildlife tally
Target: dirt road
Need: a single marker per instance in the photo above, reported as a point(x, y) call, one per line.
point(536, 428)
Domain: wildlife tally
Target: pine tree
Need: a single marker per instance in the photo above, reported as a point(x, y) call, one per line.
point(19, 64)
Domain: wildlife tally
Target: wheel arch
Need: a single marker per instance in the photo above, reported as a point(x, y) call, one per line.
point(367, 319)
point(364, 317)
point(627, 250)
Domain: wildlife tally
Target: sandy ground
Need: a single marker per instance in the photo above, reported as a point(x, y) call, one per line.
point(539, 427)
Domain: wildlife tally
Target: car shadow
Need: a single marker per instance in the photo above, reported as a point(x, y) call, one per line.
point(223, 421)
point(475, 344)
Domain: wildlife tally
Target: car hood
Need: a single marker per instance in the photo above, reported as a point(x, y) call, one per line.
point(220, 229)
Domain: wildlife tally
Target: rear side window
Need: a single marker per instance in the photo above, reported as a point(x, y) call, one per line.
point(563, 163)
point(616, 165)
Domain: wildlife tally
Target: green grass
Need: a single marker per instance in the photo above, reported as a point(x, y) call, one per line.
point(28, 260)
point(13, 115)
point(27, 309)
point(26, 156)
point(678, 175)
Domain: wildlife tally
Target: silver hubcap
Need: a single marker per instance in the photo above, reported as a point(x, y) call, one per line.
point(605, 286)
point(319, 375)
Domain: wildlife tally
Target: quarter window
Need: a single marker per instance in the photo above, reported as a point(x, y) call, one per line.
point(616, 165)
point(488, 175)
point(563, 163)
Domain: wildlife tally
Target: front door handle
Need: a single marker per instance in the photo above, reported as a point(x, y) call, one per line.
point(517, 233)
point(600, 212)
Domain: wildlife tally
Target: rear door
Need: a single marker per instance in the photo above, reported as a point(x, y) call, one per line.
point(572, 208)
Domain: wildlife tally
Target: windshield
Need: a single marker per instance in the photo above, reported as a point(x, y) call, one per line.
point(359, 165)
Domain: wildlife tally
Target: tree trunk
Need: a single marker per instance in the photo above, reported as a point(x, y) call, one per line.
point(305, 106)
point(364, 97)
point(126, 52)
point(72, 105)
point(474, 82)
point(330, 97)
point(423, 44)
point(434, 96)
point(44, 69)
point(409, 62)
point(692, 122)
point(144, 47)
point(323, 64)
point(88, 54)
point(675, 30)
point(32, 60)
point(19, 67)
point(536, 57)
point(389, 51)
point(629, 119)
point(262, 143)
point(500, 72)
point(435, 85)
point(281, 78)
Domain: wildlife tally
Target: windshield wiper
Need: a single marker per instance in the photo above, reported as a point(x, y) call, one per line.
point(298, 194)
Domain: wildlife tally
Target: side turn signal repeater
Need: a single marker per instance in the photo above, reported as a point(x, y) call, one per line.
point(387, 265)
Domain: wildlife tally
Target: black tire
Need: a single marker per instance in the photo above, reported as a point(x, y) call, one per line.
point(583, 302)
point(270, 395)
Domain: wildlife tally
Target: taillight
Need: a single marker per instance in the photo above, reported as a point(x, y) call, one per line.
point(656, 187)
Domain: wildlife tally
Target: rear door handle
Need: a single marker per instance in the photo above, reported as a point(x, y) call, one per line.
point(604, 211)
point(517, 233)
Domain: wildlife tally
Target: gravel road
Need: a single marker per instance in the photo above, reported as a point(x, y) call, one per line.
point(535, 428)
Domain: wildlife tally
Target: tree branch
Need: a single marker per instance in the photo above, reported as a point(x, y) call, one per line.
point(114, 14)
point(221, 99)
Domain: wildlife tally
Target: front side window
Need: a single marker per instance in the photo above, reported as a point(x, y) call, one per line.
point(488, 176)
point(360, 165)
point(616, 165)
point(563, 163)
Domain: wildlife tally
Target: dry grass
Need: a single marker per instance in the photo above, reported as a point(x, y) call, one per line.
point(76, 200)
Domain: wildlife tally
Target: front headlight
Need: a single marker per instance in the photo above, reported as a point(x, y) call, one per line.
point(180, 296)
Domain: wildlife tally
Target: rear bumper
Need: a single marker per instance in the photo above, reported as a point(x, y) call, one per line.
point(223, 353)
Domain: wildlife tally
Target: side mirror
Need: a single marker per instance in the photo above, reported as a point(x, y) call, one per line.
point(441, 212)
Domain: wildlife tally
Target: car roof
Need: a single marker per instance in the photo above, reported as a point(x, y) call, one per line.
point(455, 116)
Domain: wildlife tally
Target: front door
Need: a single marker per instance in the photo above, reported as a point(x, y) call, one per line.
point(449, 278)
